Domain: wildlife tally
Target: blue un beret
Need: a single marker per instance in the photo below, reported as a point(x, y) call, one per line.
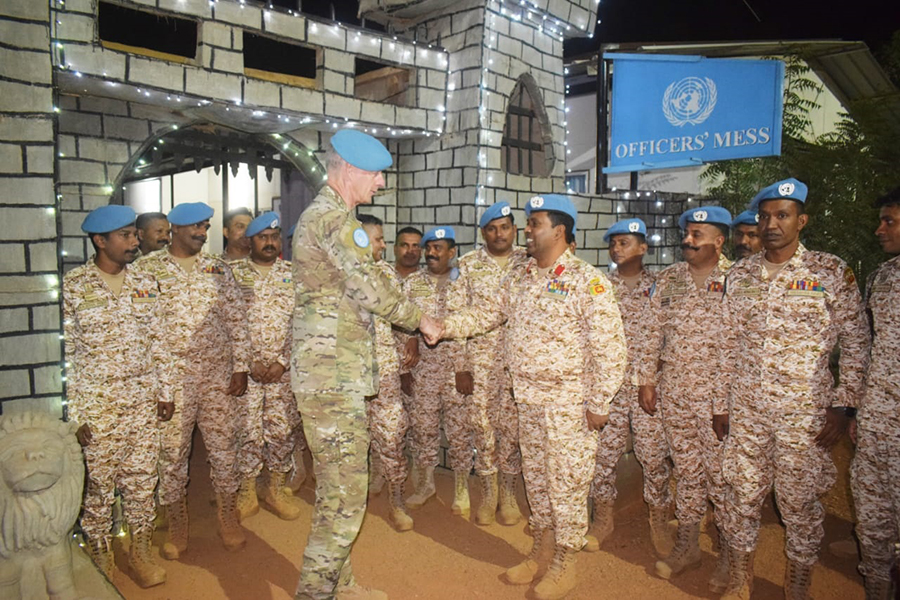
point(626, 226)
point(787, 189)
point(190, 213)
point(267, 220)
point(361, 150)
point(748, 217)
point(552, 203)
point(108, 218)
point(713, 215)
point(497, 210)
point(439, 233)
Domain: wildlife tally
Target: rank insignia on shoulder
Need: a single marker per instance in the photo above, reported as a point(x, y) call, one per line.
point(849, 277)
point(557, 289)
point(595, 288)
point(360, 237)
point(214, 270)
point(559, 270)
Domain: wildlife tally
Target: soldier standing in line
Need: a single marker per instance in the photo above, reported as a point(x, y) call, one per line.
point(632, 283)
point(153, 232)
point(269, 411)
point(337, 289)
point(565, 351)
point(876, 467)
point(407, 251)
point(234, 225)
point(744, 235)
point(494, 422)
point(205, 327)
point(683, 321)
point(788, 309)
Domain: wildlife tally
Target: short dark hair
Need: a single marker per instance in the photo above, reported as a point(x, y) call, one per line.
point(450, 243)
point(94, 244)
point(723, 229)
point(235, 212)
point(409, 229)
point(144, 219)
point(892, 198)
point(801, 206)
point(367, 219)
point(558, 218)
point(512, 221)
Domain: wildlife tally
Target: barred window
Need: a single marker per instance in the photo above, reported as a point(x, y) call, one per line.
point(526, 147)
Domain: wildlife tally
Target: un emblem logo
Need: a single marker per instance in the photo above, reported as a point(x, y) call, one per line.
point(689, 100)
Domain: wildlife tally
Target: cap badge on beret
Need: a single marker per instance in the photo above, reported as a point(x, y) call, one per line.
point(439, 234)
point(536, 202)
point(505, 211)
point(700, 216)
point(273, 224)
point(757, 217)
point(360, 237)
point(634, 227)
point(786, 189)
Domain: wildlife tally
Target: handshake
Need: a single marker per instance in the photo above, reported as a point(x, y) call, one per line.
point(432, 329)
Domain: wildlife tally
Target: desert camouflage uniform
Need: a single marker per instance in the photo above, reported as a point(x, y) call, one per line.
point(682, 327)
point(494, 422)
point(387, 414)
point(650, 445)
point(205, 328)
point(337, 288)
point(876, 466)
point(565, 351)
point(269, 416)
point(782, 333)
point(117, 373)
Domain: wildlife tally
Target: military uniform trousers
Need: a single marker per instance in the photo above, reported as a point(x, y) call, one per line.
point(388, 423)
point(122, 455)
point(201, 399)
point(269, 420)
point(335, 427)
point(767, 445)
point(557, 464)
point(495, 423)
point(650, 448)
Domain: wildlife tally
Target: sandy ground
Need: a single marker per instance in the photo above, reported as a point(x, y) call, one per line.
point(450, 557)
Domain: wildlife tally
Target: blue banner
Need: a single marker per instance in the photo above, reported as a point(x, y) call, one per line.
point(679, 111)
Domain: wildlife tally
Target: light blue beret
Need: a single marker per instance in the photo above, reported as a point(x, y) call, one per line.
point(267, 220)
point(553, 203)
point(748, 217)
point(439, 233)
point(108, 218)
point(787, 189)
point(498, 210)
point(626, 226)
point(190, 213)
point(361, 150)
point(713, 215)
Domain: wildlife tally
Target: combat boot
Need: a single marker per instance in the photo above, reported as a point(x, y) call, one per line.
point(299, 474)
point(509, 507)
point(247, 502)
point(601, 527)
point(229, 527)
point(399, 518)
point(277, 501)
point(878, 589)
point(685, 555)
point(358, 592)
point(797, 579)
point(538, 556)
point(146, 572)
point(376, 474)
point(485, 513)
point(424, 487)
point(101, 553)
point(460, 504)
point(560, 578)
point(740, 575)
point(720, 578)
point(659, 531)
point(177, 536)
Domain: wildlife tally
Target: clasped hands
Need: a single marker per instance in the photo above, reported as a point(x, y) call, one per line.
point(432, 329)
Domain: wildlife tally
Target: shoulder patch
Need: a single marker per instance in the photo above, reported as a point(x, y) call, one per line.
point(595, 287)
point(360, 237)
point(849, 277)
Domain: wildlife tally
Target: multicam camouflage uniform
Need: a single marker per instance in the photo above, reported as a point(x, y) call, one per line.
point(650, 445)
point(337, 289)
point(118, 371)
point(782, 333)
point(494, 423)
point(682, 327)
point(269, 414)
point(876, 466)
point(205, 328)
point(561, 327)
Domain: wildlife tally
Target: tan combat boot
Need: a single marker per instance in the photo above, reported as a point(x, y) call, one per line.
point(720, 578)
point(797, 579)
point(247, 502)
point(146, 572)
point(509, 507)
point(601, 527)
point(740, 575)
point(277, 501)
point(485, 513)
point(299, 474)
point(461, 504)
point(101, 552)
point(177, 536)
point(399, 518)
point(376, 474)
point(659, 531)
point(424, 487)
point(229, 527)
point(878, 589)
point(560, 578)
point(538, 556)
point(685, 555)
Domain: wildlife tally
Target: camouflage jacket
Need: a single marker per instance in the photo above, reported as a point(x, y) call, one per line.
point(387, 348)
point(882, 293)
point(434, 296)
point(631, 305)
point(270, 305)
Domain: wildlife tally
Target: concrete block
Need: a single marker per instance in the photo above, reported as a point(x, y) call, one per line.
point(341, 62)
point(22, 97)
point(96, 61)
point(329, 36)
point(413, 118)
point(262, 93)
point(25, 9)
point(425, 179)
point(414, 162)
point(436, 79)
point(13, 319)
point(509, 46)
point(46, 317)
point(342, 107)
point(47, 380)
point(397, 52)
point(522, 32)
point(335, 82)
point(14, 383)
point(158, 73)
point(213, 85)
point(74, 247)
point(376, 112)
point(25, 65)
point(30, 349)
point(71, 222)
point(423, 217)
point(226, 60)
point(74, 27)
point(289, 26)
point(10, 158)
point(42, 256)
point(81, 171)
point(125, 128)
point(107, 106)
point(82, 6)
point(12, 260)
point(450, 178)
point(27, 190)
point(40, 159)
point(26, 129)
point(199, 8)
point(431, 99)
point(303, 100)
point(366, 44)
point(49, 405)
point(465, 20)
point(247, 15)
point(216, 34)
point(447, 214)
point(102, 149)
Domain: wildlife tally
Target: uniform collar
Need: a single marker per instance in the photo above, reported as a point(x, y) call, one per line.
point(559, 267)
point(333, 197)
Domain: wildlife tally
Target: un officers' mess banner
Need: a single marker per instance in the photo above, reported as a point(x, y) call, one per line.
point(679, 111)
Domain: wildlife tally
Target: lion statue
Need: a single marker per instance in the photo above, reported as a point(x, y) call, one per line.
point(41, 478)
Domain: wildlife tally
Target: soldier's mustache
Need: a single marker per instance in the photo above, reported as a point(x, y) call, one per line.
point(689, 247)
point(427, 258)
point(269, 249)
